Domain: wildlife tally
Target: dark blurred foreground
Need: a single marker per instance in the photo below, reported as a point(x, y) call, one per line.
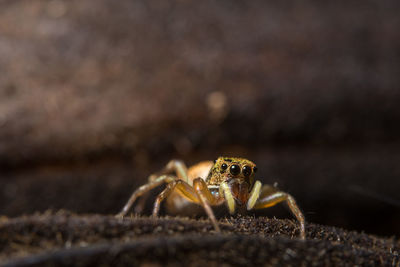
point(64, 239)
point(95, 95)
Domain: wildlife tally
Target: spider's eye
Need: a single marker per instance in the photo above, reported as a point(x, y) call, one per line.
point(246, 170)
point(235, 169)
point(215, 161)
point(255, 169)
point(224, 166)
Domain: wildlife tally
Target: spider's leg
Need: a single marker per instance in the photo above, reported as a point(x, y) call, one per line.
point(144, 189)
point(176, 167)
point(199, 194)
point(140, 204)
point(271, 196)
point(206, 198)
point(183, 189)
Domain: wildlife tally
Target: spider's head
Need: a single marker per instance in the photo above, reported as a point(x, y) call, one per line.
point(238, 173)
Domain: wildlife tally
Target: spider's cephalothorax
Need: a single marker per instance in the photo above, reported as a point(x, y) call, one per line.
point(227, 180)
point(229, 169)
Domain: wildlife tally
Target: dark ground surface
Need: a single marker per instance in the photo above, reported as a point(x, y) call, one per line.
point(95, 95)
point(63, 239)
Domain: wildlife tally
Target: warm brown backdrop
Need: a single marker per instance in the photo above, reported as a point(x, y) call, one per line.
point(96, 94)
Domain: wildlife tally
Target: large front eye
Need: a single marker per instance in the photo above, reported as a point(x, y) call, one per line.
point(246, 171)
point(235, 169)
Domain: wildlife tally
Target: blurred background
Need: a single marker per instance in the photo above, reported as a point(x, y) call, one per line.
point(95, 95)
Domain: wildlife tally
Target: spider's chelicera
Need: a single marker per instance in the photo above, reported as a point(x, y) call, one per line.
point(226, 180)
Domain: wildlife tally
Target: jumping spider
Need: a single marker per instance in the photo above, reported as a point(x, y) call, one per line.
point(226, 180)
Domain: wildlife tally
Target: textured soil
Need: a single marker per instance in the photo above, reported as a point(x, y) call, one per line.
point(62, 239)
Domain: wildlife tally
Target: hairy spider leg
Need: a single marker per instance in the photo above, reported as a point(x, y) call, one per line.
point(183, 188)
point(198, 193)
point(206, 199)
point(270, 196)
point(176, 167)
point(144, 189)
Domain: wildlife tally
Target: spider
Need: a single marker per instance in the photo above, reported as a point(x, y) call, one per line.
point(226, 180)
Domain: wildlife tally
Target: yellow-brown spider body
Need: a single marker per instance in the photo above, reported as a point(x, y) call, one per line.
point(228, 180)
